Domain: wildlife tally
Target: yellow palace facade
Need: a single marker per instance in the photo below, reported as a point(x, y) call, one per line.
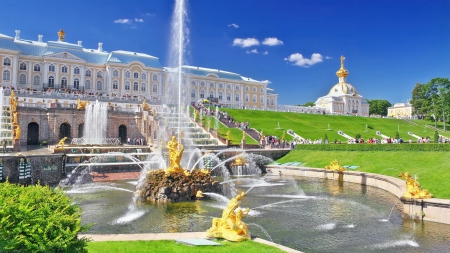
point(59, 65)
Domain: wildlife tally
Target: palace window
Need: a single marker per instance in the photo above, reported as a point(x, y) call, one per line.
point(254, 98)
point(261, 90)
point(193, 93)
point(115, 73)
point(51, 82)
point(144, 76)
point(51, 68)
point(202, 84)
point(22, 79)
point(135, 86)
point(247, 88)
point(254, 89)
point(155, 77)
point(7, 62)
point(76, 71)
point(76, 83)
point(99, 74)
point(220, 86)
point(36, 80)
point(202, 94)
point(228, 96)
point(115, 85)
point(143, 87)
point(237, 97)
point(99, 85)
point(23, 66)
point(127, 74)
point(127, 85)
point(87, 84)
point(88, 72)
point(247, 97)
point(193, 82)
point(155, 88)
point(211, 85)
point(64, 69)
point(220, 95)
point(211, 94)
point(271, 101)
point(237, 87)
point(37, 67)
point(64, 83)
point(6, 75)
point(261, 99)
point(228, 86)
point(136, 75)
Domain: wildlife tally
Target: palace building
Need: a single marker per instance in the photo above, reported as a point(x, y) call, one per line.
point(343, 97)
point(39, 65)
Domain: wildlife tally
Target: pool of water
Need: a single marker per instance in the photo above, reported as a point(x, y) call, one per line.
point(310, 215)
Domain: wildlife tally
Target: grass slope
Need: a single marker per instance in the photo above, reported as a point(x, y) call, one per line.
point(315, 126)
point(172, 246)
point(431, 168)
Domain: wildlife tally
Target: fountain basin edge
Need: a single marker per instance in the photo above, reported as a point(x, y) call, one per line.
point(434, 209)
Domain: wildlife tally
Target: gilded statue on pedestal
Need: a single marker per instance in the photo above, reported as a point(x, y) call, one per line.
point(230, 226)
point(175, 153)
point(61, 143)
point(17, 133)
point(335, 166)
point(145, 106)
point(82, 105)
point(413, 189)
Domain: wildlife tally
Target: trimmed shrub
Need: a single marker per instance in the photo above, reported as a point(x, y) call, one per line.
point(376, 147)
point(39, 219)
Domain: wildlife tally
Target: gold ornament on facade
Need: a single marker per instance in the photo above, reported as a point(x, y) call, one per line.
point(230, 226)
point(413, 189)
point(342, 72)
point(335, 166)
point(61, 35)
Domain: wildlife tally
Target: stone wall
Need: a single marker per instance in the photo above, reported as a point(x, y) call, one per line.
point(50, 120)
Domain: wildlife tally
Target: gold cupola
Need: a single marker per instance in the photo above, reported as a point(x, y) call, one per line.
point(342, 73)
point(61, 35)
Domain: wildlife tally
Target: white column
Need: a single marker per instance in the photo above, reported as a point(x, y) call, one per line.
point(15, 71)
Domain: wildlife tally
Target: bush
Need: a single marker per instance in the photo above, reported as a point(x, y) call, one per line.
point(39, 219)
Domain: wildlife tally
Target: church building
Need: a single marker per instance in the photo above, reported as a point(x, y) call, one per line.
point(343, 97)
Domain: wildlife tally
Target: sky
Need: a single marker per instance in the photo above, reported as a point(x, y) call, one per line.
point(388, 46)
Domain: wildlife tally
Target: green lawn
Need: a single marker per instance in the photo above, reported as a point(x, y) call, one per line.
point(431, 168)
point(172, 246)
point(315, 126)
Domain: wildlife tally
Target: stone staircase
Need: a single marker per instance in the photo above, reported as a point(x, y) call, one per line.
point(410, 122)
point(250, 132)
point(434, 128)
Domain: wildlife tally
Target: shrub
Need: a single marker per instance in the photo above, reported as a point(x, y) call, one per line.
point(39, 219)
point(377, 147)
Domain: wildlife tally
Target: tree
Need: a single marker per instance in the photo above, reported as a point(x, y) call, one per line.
point(418, 100)
point(378, 106)
point(308, 104)
point(439, 92)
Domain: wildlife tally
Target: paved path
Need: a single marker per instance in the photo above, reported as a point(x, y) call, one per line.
point(168, 236)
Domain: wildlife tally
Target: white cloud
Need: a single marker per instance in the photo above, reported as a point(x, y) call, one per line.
point(139, 20)
point(272, 42)
point(328, 57)
point(122, 21)
point(234, 25)
point(150, 14)
point(265, 52)
point(299, 60)
point(253, 51)
point(245, 42)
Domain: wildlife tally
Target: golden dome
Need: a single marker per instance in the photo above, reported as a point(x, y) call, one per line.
point(61, 35)
point(342, 72)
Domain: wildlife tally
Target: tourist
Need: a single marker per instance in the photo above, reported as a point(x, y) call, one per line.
point(4, 145)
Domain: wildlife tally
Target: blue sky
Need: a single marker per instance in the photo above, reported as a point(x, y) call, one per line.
point(389, 46)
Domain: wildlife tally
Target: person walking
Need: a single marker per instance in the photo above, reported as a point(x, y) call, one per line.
point(4, 145)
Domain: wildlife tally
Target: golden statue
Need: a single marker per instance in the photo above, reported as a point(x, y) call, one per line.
point(13, 101)
point(61, 143)
point(195, 115)
point(175, 153)
point(145, 106)
point(283, 137)
point(230, 226)
point(413, 189)
point(17, 132)
point(15, 117)
point(262, 134)
point(61, 35)
point(335, 166)
point(199, 194)
point(82, 105)
point(239, 161)
point(228, 135)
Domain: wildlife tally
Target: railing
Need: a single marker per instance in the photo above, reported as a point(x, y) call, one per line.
point(96, 141)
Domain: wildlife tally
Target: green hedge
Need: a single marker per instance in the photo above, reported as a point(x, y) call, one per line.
point(376, 147)
point(39, 219)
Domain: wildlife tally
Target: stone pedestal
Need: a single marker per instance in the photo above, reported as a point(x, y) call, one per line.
point(16, 145)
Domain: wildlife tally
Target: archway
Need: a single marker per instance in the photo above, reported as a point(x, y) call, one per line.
point(123, 134)
point(33, 134)
point(80, 130)
point(64, 130)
